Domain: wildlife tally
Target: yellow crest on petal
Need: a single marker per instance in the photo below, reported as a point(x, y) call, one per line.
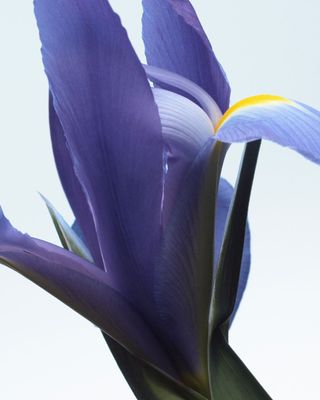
point(253, 101)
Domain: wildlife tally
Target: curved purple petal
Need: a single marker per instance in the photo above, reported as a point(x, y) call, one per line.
point(106, 109)
point(185, 128)
point(274, 118)
point(87, 290)
point(180, 85)
point(174, 40)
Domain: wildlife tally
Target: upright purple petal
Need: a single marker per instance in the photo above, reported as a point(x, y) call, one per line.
point(87, 290)
point(183, 277)
point(72, 187)
point(185, 128)
point(106, 109)
point(175, 40)
point(191, 248)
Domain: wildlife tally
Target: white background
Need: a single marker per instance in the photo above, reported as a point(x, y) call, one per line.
point(47, 351)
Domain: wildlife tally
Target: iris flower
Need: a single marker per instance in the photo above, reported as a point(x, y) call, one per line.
point(140, 164)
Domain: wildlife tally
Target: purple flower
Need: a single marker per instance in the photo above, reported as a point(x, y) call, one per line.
point(140, 166)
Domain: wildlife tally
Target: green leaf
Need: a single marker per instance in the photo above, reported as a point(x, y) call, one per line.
point(230, 377)
point(204, 239)
point(146, 381)
point(69, 239)
point(229, 265)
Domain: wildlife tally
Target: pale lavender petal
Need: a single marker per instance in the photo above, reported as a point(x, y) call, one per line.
point(178, 84)
point(280, 120)
point(185, 128)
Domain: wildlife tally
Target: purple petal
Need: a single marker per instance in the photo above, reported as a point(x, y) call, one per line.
point(175, 40)
point(106, 109)
point(183, 275)
point(222, 208)
point(180, 85)
point(87, 290)
point(274, 118)
point(72, 187)
point(185, 128)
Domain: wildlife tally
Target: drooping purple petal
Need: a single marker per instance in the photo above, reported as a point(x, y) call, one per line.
point(174, 40)
point(106, 109)
point(87, 290)
point(274, 118)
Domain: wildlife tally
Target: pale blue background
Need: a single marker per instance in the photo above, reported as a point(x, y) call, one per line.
point(47, 352)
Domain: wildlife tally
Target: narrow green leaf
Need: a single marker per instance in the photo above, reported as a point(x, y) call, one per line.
point(229, 265)
point(204, 240)
point(230, 377)
point(69, 239)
